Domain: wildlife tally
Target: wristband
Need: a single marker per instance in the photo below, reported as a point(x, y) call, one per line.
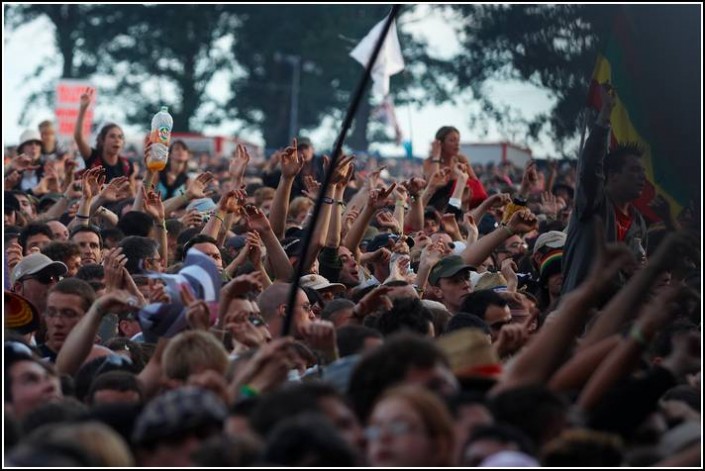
point(82, 217)
point(341, 203)
point(215, 215)
point(248, 391)
point(509, 231)
point(327, 200)
point(455, 202)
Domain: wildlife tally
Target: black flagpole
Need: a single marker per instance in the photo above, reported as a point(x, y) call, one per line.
point(286, 327)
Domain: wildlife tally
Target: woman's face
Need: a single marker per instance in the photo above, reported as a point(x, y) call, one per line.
point(398, 437)
point(113, 141)
point(451, 144)
point(178, 159)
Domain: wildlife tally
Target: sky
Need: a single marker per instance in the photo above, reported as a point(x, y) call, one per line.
point(34, 43)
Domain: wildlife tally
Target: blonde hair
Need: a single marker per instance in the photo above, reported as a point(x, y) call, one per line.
point(99, 440)
point(299, 205)
point(434, 414)
point(263, 194)
point(191, 352)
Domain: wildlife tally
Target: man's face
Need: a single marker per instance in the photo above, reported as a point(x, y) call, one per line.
point(349, 274)
point(454, 289)
point(60, 232)
point(26, 206)
point(32, 149)
point(212, 251)
point(48, 135)
point(89, 244)
point(630, 181)
point(62, 313)
point(73, 263)
point(37, 240)
point(514, 248)
point(303, 313)
point(306, 152)
point(32, 386)
point(35, 288)
point(496, 317)
point(154, 263)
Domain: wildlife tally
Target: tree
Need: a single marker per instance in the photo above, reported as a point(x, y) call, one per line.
point(322, 37)
point(154, 55)
point(551, 46)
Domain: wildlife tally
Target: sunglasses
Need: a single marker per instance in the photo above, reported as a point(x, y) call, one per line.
point(44, 278)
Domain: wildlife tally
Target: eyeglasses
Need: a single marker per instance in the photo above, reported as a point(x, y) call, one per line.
point(44, 278)
point(396, 428)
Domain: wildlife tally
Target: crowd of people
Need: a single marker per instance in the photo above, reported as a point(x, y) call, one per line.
point(450, 314)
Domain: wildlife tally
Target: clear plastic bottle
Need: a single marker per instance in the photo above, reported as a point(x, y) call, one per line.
point(162, 124)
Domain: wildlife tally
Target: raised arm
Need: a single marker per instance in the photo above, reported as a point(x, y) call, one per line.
point(377, 199)
point(153, 206)
point(415, 215)
point(625, 304)
point(196, 189)
point(79, 342)
point(257, 221)
point(543, 356)
point(521, 222)
point(83, 147)
point(291, 165)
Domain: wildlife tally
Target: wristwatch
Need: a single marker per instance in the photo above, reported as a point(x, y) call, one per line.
point(328, 200)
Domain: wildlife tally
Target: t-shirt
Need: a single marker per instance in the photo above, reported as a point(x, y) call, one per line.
point(123, 168)
point(623, 223)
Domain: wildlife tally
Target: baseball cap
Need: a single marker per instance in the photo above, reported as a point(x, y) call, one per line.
point(292, 246)
point(447, 267)
point(20, 315)
point(35, 263)
point(551, 239)
point(202, 205)
point(381, 240)
point(320, 283)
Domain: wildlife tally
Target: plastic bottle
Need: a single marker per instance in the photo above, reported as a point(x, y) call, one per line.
point(162, 124)
point(517, 203)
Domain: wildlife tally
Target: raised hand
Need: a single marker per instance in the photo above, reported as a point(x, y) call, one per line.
point(373, 177)
point(320, 335)
point(509, 270)
point(386, 220)
point(232, 201)
point(118, 188)
point(191, 219)
point(254, 248)
point(113, 264)
point(510, 339)
point(256, 220)
point(450, 225)
point(238, 164)
point(245, 332)
point(86, 98)
point(117, 302)
point(240, 286)
point(158, 294)
point(153, 204)
point(342, 171)
point(530, 178)
point(433, 253)
point(374, 300)
point(312, 187)
point(92, 183)
point(22, 162)
point(522, 221)
point(414, 186)
point(291, 163)
point(196, 188)
point(550, 204)
point(440, 178)
point(14, 255)
point(471, 226)
point(198, 315)
point(378, 197)
point(436, 149)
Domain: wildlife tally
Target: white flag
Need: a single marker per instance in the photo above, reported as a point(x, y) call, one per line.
point(389, 60)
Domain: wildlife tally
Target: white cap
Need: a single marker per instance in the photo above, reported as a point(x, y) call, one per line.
point(552, 239)
point(30, 135)
point(320, 283)
point(33, 264)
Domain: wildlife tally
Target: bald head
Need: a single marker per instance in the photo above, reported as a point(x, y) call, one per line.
point(272, 298)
